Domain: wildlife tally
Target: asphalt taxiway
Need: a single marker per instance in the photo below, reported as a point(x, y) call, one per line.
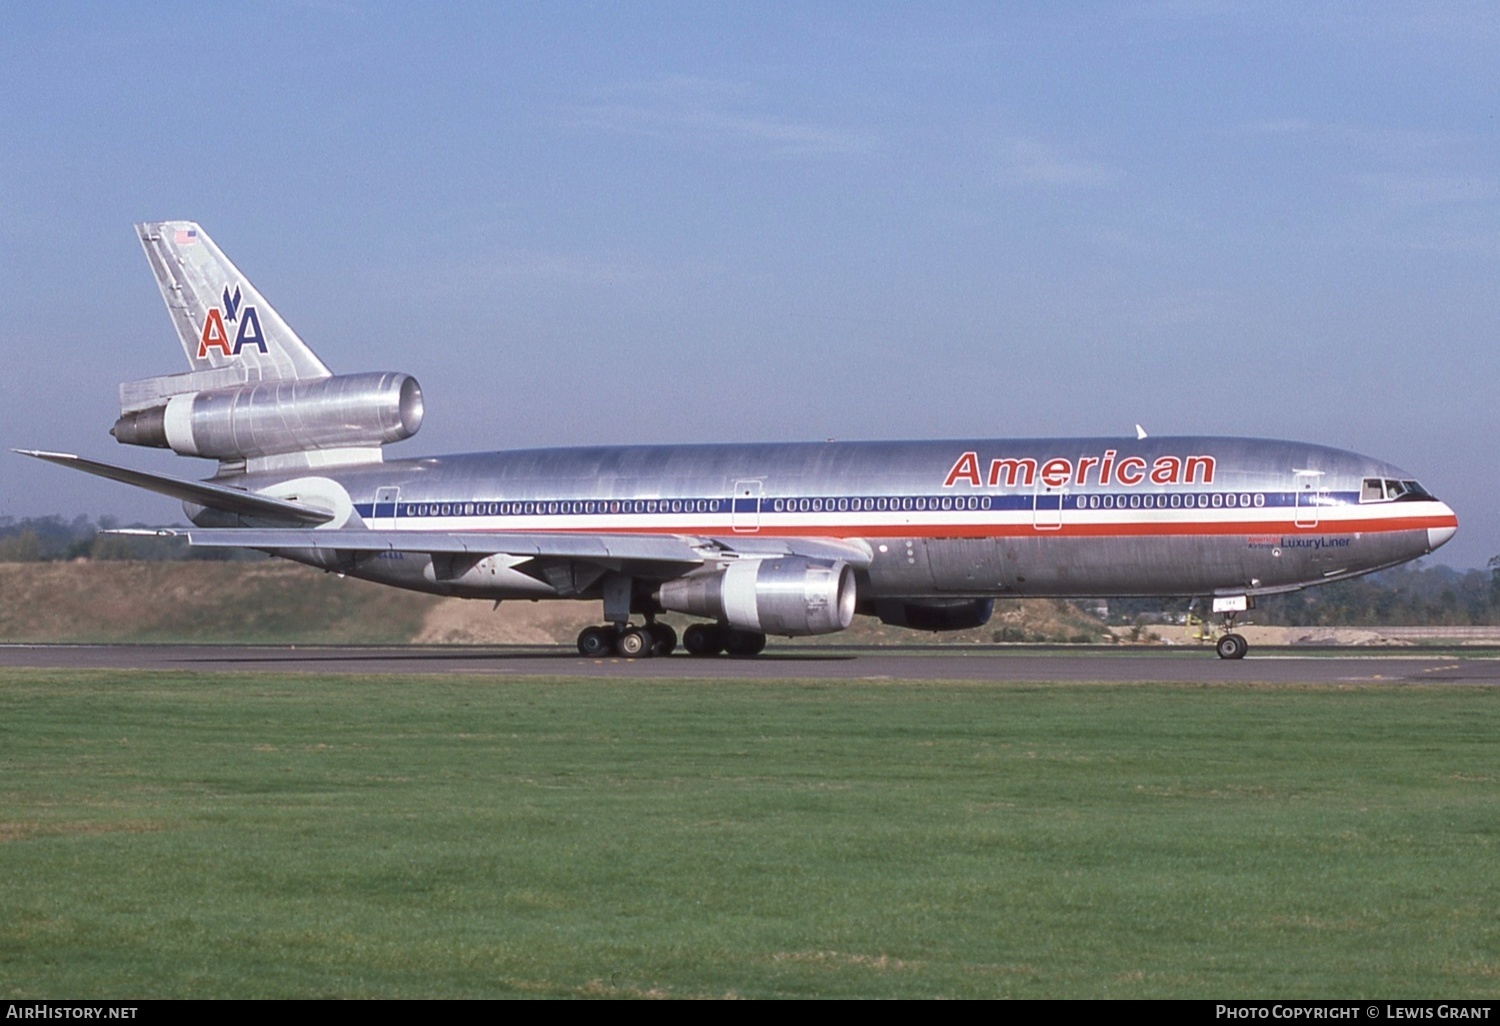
point(800, 663)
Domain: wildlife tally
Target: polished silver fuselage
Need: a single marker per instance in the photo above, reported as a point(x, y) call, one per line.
point(789, 539)
point(940, 519)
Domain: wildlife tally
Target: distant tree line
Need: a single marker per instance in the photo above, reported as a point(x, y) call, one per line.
point(52, 539)
point(1414, 595)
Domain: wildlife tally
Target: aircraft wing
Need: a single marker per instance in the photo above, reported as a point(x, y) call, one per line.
point(609, 549)
point(202, 493)
point(598, 548)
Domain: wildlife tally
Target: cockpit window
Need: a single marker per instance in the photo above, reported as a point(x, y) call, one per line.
point(1376, 489)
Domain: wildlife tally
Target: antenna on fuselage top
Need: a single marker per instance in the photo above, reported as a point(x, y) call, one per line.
point(1140, 432)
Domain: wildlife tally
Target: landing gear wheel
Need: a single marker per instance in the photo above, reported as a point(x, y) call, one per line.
point(636, 643)
point(665, 638)
point(1232, 646)
point(744, 643)
point(596, 641)
point(703, 639)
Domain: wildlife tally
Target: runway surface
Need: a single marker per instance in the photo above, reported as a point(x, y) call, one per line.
point(815, 664)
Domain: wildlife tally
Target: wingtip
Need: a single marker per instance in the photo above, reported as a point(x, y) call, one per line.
point(43, 454)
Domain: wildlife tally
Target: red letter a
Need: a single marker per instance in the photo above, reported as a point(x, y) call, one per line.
point(966, 469)
point(214, 334)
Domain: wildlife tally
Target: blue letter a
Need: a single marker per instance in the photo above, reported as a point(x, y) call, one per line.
point(249, 332)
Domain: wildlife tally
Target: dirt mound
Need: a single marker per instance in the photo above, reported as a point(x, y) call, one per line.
point(470, 622)
point(199, 601)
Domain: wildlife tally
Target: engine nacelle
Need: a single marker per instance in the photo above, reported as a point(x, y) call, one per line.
point(932, 615)
point(786, 596)
point(269, 418)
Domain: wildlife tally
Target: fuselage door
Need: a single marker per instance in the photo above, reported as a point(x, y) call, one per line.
point(1047, 506)
point(1310, 496)
point(383, 516)
point(745, 518)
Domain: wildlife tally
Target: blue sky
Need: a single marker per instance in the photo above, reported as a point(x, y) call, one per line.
point(581, 223)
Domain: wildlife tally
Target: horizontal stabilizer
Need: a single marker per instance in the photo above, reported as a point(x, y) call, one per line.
point(203, 493)
point(149, 392)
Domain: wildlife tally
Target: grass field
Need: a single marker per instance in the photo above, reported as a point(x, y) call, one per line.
point(253, 836)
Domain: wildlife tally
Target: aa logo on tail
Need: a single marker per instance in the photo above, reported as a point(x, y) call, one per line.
point(216, 333)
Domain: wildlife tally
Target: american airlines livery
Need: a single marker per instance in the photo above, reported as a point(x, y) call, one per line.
point(786, 539)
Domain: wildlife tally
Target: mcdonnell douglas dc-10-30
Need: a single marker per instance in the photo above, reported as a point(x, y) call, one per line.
point(782, 539)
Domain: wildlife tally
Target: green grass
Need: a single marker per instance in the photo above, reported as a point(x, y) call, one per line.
point(258, 836)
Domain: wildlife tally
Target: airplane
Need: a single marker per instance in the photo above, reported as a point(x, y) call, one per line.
point(789, 539)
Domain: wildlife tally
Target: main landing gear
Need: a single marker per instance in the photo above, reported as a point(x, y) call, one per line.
point(651, 639)
point(708, 639)
point(659, 639)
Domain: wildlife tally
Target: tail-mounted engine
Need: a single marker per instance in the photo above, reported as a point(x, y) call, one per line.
point(791, 597)
point(269, 418)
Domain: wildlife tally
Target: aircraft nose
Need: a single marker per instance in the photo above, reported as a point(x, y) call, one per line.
point(1438, 536)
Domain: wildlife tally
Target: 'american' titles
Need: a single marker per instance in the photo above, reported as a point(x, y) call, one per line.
point(1105, 471)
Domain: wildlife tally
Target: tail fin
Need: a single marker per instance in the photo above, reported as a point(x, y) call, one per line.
point(224, 322)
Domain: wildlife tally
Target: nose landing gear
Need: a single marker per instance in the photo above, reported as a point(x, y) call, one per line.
point(1232, 646)
point(1227, 643)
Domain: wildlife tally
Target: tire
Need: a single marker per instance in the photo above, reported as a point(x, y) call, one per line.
point(1232, 646)
point(635, 643)
point(744, 643)
point(594, 642)
point(703, 639)
point(665, 637)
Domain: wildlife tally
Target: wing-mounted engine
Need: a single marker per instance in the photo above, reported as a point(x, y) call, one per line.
point(787, 596)
point(268, 418)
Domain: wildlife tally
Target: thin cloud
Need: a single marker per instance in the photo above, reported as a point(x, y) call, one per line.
point(1469, 24)
point(1025, 161)
point(1416, 190)
point(710, 112)
point(1384, 143)
point(542, 269)
point(1275, 127)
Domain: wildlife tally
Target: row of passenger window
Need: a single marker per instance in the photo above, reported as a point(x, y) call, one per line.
point(880, 504)
point(877, 504)
point(562, 507)
point(586, 506)
point(1202, 500)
